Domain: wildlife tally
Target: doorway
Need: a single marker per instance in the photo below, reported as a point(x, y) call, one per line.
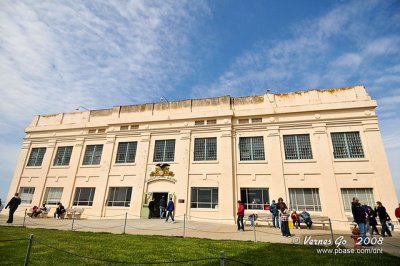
point(157, 196)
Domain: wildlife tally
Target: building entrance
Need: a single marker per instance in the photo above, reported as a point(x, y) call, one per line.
point(157, 196)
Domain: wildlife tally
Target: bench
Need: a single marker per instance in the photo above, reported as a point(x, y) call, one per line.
point(264, 217)
point(70, 212)
point(320, 220)
point(43, 214)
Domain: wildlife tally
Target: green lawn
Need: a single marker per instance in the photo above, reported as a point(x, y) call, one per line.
point(61, 245)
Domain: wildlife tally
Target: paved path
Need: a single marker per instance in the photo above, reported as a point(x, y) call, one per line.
point(199, 229)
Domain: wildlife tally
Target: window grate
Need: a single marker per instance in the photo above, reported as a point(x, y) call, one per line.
point(297, 147)
point(63, 156)
point(305, 198)
point(211, 122)
point(204, 197)
point(124, 128)
point(92, 154)
point(254, 198)
point(36, 157)
point(256, 120)
point(164, 150)
point(365, 195)
point(53, 195)
point(199, 122)
point(84, 196)
point(119, 196)
point(205, 149)
point(26, 194)
point(243, 121)
point(347, 145)
point(126, 152)
point(251, 148)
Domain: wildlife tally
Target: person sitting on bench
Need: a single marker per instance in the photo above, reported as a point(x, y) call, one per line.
point(59, 211)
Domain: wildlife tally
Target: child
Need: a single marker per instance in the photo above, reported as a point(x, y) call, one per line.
point(252, 218)
point(296, 219)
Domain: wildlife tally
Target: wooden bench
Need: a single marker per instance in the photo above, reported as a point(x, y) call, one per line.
point(320, 220)
point(70, 212)
point(264, 217)
point(43, 214)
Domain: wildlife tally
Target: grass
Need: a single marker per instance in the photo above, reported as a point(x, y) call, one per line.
point(55, 247)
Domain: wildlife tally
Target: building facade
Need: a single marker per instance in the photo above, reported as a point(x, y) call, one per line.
point(316, 149)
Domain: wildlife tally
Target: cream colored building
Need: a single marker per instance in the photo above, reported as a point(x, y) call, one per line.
point(316, 149)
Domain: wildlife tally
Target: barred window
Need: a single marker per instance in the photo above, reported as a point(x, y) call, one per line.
point(164, 150)
point(243, 121)
point(123, 127)
point(26, 194)
point(199, 122)
point(205, 149)
point(297, 147)
point(256, 120)
point(365, 196)
point(63, 156)
point(204, 197)
point(305, 198)
point(92, 154)
point(36, 157)
point(254, 198)
point(119, 196)
point(211, 122)
point(53, 195)
point(126, 152)
point(251, 148)
point(347, 145)
point(84, 196)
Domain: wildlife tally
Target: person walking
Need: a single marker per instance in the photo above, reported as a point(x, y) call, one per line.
point(13, 204)
point(371, 215)
point(275, 214)
point(383, 216)
point(240, 215)
point(162, 207)
point(170, 210)
point(1, 206)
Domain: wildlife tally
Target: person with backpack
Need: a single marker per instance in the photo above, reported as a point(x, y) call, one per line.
point(275, 214)
point(382, 214)
point(170, 210)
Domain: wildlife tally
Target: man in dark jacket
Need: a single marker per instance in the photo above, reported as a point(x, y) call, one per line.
point(170, 210)
point(275, 214)
point(13, 204)
point(382, 214)
point(359, 217)
point(240, 215)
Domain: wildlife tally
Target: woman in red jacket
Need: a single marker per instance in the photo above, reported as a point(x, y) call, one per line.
point(240, 215)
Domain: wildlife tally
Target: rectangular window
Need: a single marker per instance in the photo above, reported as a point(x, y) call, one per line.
point(53, 195)
point(243, 121)
point(92, 154)
point(365, 196)
point(211, 122)
point(126, 152)
point(84, 196)
point(123, 127)
point(254, 198)
point(305, 198)
point(251, 149)
point(26, 194)
point(347, 145)
point(119, 196)
point(63, 156)
point(297, 147)
point(204, 197)
point(256, 120)
point(36, 157)
point(199, 122)
point(164, 150)
point(205, 149)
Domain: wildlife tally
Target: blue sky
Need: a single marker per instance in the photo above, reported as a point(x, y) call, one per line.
point(58, 55)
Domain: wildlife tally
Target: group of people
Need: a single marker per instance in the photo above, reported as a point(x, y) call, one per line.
point(166, 210)
point(36, 210)
point(365, 218)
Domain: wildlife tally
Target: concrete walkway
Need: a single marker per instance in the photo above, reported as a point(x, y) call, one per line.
point(199, 229)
